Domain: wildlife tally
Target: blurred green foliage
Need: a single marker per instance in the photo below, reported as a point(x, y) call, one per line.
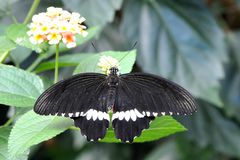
point(192, 42)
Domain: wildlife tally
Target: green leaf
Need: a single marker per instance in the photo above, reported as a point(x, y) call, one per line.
point(18, 87)
point(209, 127)
point(231, 84)
point(85, 61)
point(4, 133)
point(18, 33)
point(159, 128)
point(88, 62)
point(31, 129)
point(45, 66)
point(96, 12)
point(167, 149)
point(179, 40)
point(6, 45)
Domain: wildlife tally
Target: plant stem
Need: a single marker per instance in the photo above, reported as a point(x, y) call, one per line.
point(4, 56)
point(41, 57)
point(31, 11)
point(73, 128)
point(35, 63)
point(10, 120)
point(56, 64)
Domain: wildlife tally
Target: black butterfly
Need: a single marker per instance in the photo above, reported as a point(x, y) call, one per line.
point(135, 99)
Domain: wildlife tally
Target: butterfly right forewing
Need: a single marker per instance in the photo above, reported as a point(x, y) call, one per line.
point(155, 94)
point(141, 97)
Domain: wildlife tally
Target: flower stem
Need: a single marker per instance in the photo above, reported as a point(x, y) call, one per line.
point(56, 64)
point(4, 56)
point(31, 11)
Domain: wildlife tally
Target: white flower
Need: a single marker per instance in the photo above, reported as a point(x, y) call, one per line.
point(106, 62)
point(54, 37)
point(36, 39)
point(53, 11)
point(55, 26)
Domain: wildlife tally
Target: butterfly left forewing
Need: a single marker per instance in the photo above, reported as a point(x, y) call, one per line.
point(82, 98)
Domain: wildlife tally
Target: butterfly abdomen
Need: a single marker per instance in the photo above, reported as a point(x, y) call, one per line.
point(112, 80)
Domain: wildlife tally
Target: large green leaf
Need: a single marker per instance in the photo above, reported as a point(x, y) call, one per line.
point(179, 40)
point(96, 12)
point(160, 127)
point(6, 45)
point(231, 84)
point(64, 61)
point(88, 62)
point(18, 87)
point(4, 133)
point(18, 33)
point(32, 129)
point(84, 61)
point(209, 127)
point(167, 150)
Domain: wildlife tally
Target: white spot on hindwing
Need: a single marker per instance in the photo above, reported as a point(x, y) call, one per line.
point(148, 114)
point(100, 115)
point(138, 114)
point(94, 115)
point(77, 114)
point(132, 114)
point(121, 115)
point(127, 115)
point(89, 114)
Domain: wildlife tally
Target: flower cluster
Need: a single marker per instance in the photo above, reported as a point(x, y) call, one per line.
point(56, 25)
point(106, 62)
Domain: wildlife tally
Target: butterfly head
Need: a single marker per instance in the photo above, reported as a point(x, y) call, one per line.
point(113, 71)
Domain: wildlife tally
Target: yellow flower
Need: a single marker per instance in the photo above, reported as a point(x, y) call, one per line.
point(54, 38)
point(36, 39)
point(106, 62)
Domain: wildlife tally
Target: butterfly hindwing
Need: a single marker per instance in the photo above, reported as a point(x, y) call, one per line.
point(83, 98)
point(94, 130)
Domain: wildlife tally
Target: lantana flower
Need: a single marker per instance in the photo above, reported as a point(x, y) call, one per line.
point(56, 25)
point(106, 62)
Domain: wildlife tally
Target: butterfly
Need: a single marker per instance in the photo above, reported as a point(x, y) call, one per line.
point(134, 99)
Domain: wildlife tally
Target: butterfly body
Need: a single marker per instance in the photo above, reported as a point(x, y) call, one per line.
point(135, 100)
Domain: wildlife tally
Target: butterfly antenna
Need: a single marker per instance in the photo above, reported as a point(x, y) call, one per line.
point(100, 53)
point(134, 45)
point(94, 47)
